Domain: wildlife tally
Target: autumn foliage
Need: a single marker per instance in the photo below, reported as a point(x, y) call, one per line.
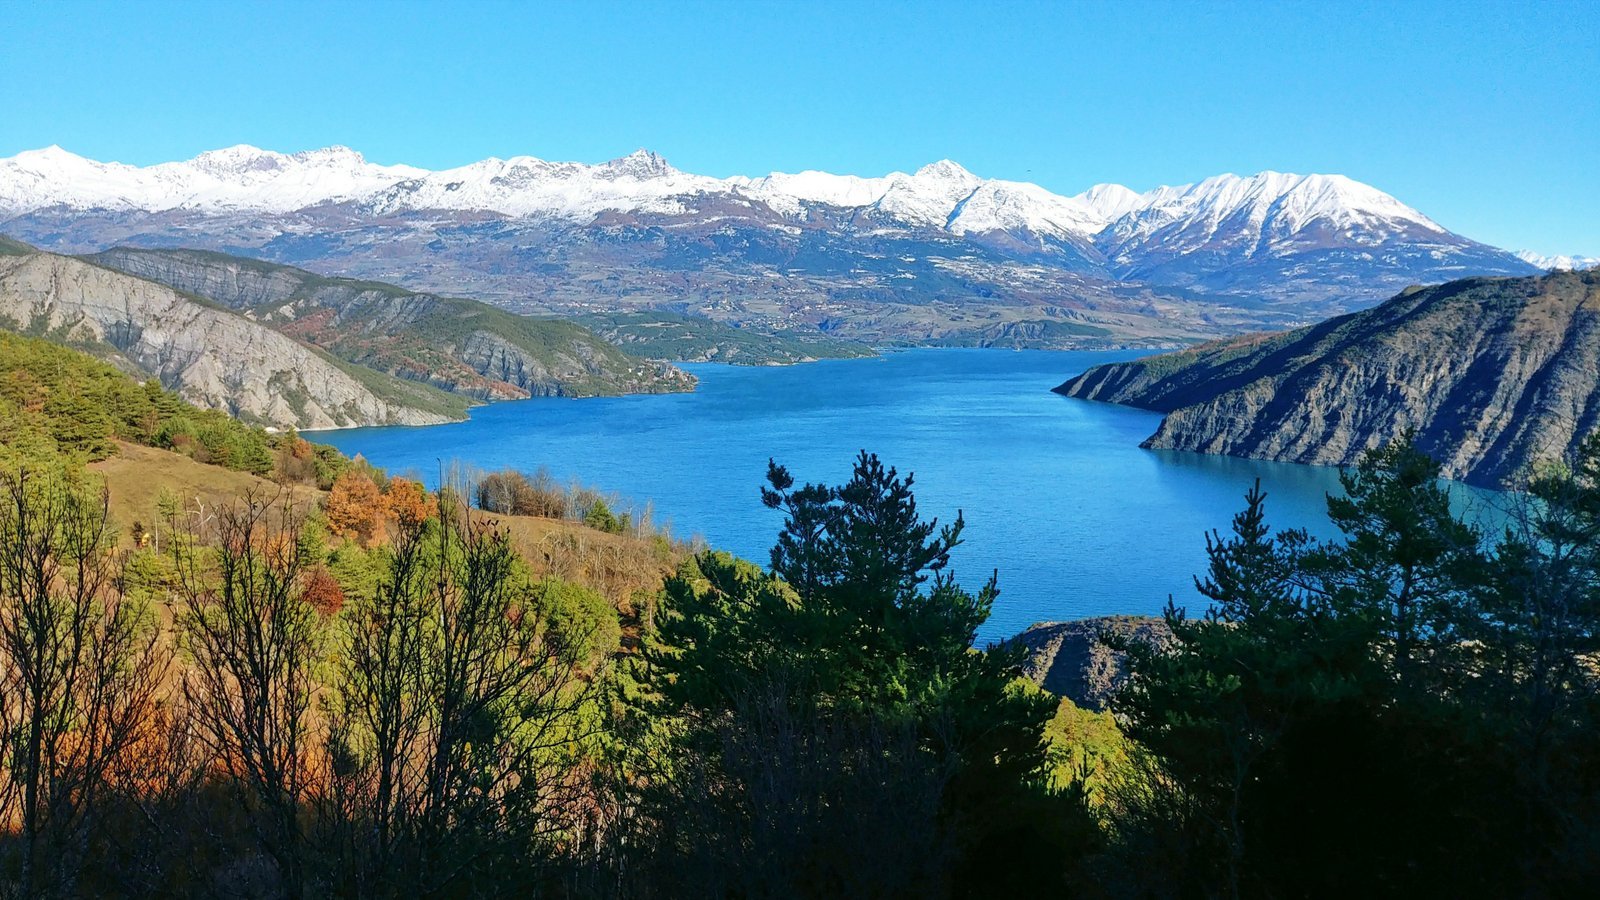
point(355, 508)
point(322, 593)
point(408, 503)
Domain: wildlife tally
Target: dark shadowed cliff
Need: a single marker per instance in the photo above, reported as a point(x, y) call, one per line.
point(1494, 374)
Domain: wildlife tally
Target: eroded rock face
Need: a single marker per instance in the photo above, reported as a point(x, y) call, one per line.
point(1494, 375)
point(212, 357)
point(1072, 660)
point(457, 345)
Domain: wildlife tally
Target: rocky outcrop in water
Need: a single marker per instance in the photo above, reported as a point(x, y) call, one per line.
point(211, 356)
point(457, 345)
point(1494, 375)
point(1072, 659)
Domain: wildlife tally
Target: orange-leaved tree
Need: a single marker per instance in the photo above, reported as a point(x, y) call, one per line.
point(408, 502)
point(355, 507)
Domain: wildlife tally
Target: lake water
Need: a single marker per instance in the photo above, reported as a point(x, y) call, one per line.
point(1057, 494)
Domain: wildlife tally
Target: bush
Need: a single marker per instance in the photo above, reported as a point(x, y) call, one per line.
point(599, 517)
point(511, 493)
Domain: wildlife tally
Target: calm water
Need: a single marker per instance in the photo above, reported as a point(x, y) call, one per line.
point(1057, 494)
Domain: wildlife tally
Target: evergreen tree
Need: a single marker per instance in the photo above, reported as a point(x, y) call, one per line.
point(1314, 732)
point(857, 649)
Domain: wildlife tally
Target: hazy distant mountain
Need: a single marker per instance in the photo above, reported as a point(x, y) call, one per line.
point(1494, 374)
point(937, 255)
point(1555, 263)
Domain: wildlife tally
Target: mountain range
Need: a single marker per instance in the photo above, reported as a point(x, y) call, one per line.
point(1558, 262)
point(1494, 376)
point(935, 256)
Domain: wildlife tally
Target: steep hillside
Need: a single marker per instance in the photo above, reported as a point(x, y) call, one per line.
point(1494, 375)
point(457, 345)
point(210, 356)
point(9, 247)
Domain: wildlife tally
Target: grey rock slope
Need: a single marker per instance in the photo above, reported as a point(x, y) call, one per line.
point(1493, 375)
point(454, 344)
point(212, 357)
point(1072, 660)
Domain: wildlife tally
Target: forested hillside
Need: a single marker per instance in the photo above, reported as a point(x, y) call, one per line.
point(312, 678)
point(59, 401)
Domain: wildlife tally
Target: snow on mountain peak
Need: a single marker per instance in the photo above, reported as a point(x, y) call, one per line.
point(1254, 211)
point(337, 155)
point(785, 192)
point(51, 153)
point(946, 170)
point(236, 159)
point(1110, 201)
point(931, 196)
point(1021, 206)
point(1264, 212)
point(639, 165)
point(1346, 201)
point(1558, 262)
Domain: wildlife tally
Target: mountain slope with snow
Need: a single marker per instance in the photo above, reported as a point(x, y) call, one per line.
point(235, 178)
point(782, 250)
point(1558, 262)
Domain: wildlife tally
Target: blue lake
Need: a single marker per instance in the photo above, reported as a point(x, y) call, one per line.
point(1057, 494)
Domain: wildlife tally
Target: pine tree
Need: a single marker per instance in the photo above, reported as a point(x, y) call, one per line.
point(857, 648)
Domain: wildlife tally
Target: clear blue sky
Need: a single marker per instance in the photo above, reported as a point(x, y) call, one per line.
point(1486, 117)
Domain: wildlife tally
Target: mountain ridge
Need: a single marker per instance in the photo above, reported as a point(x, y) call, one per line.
point(457, 345)
point(934, 194)
point(1553, 262)
point(939, 255)
point(1493, 376)
point(210, 356)
point(283, 347)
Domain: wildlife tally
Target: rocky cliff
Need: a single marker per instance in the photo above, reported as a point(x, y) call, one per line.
point(212, 357)
point(1493, 374)
point(1072, 659)
point(457, 345)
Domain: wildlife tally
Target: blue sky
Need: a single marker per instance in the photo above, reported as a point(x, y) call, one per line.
point(1484, 116)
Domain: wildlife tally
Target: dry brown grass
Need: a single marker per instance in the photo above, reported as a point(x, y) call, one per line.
point(627, 569)
point(137, 475)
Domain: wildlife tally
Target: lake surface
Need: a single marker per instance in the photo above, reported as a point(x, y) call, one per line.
point(1057, 494)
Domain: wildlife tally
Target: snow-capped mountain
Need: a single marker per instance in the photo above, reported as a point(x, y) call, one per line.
point(235, 178)
point(1230, 214)
point(1227, 209)
point(525, 186)
point(1305, 235)
point(1553, 263)
point(809, 247)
